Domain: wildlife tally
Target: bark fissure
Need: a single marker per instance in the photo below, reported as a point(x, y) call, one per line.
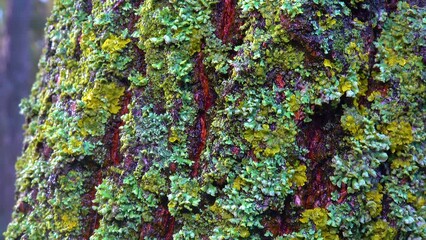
point(282, 117)
point(87, 200)
point(115, 156)
point(162, 227)
point(227, 17)
point(321, 139)
point(204, 101)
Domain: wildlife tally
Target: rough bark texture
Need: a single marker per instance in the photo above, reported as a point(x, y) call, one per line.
point(226, 120)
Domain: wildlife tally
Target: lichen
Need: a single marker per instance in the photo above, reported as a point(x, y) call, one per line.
point(317, 215)
point(226, 120)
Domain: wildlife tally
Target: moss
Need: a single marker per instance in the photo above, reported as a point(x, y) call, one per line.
point(374, 95)
point(66, 206)
point(173, 135)
point(128, 202)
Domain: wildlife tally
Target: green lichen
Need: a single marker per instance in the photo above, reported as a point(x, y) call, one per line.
point(282, 65)
point(184, 194)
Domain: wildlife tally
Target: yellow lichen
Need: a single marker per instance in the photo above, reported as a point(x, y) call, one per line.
point(330, 235)
point(345, 85)
point(350, 124)
point(327, 63)
point(400, 134)
point(299, 177)
point(328, 23)
point(393, 59)
point(100, 101)
point(374, 201)
point(293, 103)
point(225, 215)
point(319, 216)
point(69, 222)
point(373, 96)
point(398, 163)
point(417, 202)
point(238, 182)
point(382, 231)
point(114, 44)
point(87, 43)
point(73, 146)
point(104, 96)
point(244, 232)
point(269, 142)
point(173, 135)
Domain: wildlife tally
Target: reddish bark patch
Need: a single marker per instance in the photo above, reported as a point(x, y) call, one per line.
point(77, 51)
point(162, 227)
point(114, 152)
point(139, 62)
point(92, 219)
point(226, 17)
point(275, 225)
point(300, 31)
point(343, 193)
point(44, 150)
point(279, 81)
point(321, 137)
point(204, 100)
point(279, 225)
point(316, 144)
point(299, 115)
point(24, 207)
point(281, 222)
point(318, 189)
point(200, 144)
point(235, 150)
point(172, 167)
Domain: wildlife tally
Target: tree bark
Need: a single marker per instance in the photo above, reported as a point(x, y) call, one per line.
point(226, 120)
point(15, 72)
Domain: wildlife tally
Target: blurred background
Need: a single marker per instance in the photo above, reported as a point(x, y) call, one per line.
point(21, 43)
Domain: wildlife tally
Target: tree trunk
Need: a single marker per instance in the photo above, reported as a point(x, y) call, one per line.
point(15, 72)
point(226, 120)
